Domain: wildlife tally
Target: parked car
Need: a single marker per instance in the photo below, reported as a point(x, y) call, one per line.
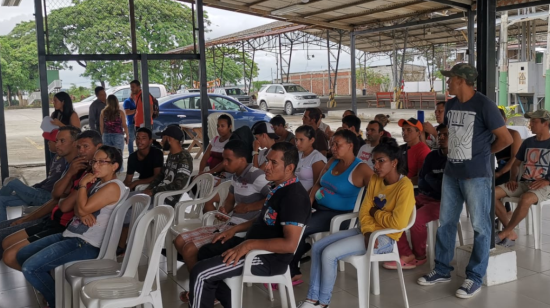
point(184, 91)
point(287, 96)
point(185, 109)
point(122, 93)
point(237, 94)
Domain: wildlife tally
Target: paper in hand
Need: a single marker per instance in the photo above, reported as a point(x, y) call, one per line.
point(47, 125)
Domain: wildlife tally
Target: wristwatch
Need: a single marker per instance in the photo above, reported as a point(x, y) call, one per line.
point(255, 153)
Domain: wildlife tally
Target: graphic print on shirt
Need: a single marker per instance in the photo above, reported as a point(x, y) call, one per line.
point(365, 156)
point(461, 132)
point(380, 201)
point(536, 165)
point(76, 226)
point(270, 216)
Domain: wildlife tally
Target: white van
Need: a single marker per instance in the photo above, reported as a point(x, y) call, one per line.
point(121, 92)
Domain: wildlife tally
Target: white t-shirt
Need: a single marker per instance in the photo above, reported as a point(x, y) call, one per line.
point(217, 145)
point(365, 154)
point(304, 171)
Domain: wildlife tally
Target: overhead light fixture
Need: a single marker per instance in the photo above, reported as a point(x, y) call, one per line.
point(11, 2)
point(285, 10)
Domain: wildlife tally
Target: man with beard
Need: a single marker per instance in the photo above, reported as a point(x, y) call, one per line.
point(375, 130)
point(176, 170)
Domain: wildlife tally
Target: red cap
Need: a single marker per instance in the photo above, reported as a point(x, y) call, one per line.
point(51, 135)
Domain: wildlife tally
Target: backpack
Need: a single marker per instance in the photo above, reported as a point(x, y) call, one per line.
point(156, 109)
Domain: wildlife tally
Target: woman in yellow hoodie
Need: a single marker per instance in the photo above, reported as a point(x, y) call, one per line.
point(388, 205)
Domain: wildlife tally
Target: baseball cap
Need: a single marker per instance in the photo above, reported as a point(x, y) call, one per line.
point(462, 70)
point(172, 131)
point(539, 114)
point(265, 128)
point(412, 122)
point(51, 135)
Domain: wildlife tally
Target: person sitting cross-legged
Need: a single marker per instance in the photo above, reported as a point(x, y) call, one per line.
point(428, 201)
point(389, 203)
point(277, 229)
point(534, 186)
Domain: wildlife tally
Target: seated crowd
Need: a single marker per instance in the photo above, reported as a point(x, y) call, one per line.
point(282, 197)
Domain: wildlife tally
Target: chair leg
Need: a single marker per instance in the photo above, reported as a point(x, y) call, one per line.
point(270, 292)
point(363, 283)
point(75, 289)
point(67, 291)
point(528, 222)
point(537, 222)
point(402, 283)
point(59, 287)
point(431, 243)
point(376, 278)
point(282, 293)
point(342, 266)
point(169, 247)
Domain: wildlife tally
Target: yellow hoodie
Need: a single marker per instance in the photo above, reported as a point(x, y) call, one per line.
point(396, 202)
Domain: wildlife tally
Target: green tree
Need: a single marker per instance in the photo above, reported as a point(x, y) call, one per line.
point(368, 77)
point(79, 92)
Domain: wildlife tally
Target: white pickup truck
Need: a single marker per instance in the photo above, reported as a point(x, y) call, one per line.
point(121, 92)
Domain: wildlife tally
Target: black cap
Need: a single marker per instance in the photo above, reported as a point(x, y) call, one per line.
point(172, 131)
point(264, 128)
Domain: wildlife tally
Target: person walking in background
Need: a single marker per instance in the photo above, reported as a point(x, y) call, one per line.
point(64, 113)
point(112, 124)
point(96, 107)
point(130, 111)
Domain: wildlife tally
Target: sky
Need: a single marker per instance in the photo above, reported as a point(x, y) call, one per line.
point(10, 16)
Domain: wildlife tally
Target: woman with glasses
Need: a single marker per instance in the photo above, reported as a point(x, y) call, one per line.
point(83, 237)
point(389, 203)
point(336, 191)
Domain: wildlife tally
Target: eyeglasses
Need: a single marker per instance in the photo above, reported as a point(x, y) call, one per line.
point(100, 162)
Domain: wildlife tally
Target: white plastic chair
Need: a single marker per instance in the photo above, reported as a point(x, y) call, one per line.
point(432, 233)
point(318, 236)
point(534, 219)
point(108, 247)
point(213, 123)
point(106, 265)
point(284, 281)
point(127, 290)
point(363, 263)
point(189, 211)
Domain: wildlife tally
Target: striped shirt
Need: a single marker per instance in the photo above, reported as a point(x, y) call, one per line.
point(251, 186)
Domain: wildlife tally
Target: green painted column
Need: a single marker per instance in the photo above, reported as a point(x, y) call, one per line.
point(503, 88)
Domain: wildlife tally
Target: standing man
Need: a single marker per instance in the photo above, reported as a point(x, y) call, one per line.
point(312, 117)
point(130, 110)
point(431, 140)
point(472, 120)
point(96, 107)
point(135, 87)
point(374, 133)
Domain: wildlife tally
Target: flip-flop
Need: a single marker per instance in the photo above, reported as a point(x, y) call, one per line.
point(296, 282)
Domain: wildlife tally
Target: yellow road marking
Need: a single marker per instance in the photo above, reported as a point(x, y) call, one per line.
point(36, 145)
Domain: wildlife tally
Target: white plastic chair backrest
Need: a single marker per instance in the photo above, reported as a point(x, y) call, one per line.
point(139, 204)
point(357, 207)
point(205, 186)
point(154, 223)
point(222, 189)
point(411, 219)
point(109, 234)
point(213, 123)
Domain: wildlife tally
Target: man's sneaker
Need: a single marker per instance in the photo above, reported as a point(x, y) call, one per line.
point(468, 289)
point(432, 278)
point(307, 304)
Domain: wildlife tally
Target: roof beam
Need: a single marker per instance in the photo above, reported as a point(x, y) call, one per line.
point(377, 10)
point(522, 5)
point(456, 5)
point(418, 13)
point(255, 3)
point(263, 13)
point(340, 7)
point(411, 24)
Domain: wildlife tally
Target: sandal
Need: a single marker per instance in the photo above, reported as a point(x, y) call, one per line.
point(392, 265)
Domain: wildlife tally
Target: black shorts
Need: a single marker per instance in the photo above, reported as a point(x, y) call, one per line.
point(45, 228)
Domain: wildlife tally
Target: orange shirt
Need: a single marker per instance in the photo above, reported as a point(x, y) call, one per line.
point(138, 119)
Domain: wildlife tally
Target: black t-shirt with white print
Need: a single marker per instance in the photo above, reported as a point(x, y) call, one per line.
point(289, 205)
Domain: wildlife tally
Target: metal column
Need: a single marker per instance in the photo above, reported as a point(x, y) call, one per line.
point(503, 61)
point(205, 101)
point(145, 91)
point(4, 168)
point(42, 70)
point(471, 38)
point(133, 36)
point(486, 67)
point(353, 74)
point(547, 69)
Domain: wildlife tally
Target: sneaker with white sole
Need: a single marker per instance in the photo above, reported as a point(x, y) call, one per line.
point(307, 304)
point(468, 289)
point(432, 278)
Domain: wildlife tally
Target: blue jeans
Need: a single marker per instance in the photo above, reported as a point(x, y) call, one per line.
point(326, 253)
point(131, 138)
point(44, 255)
point(24, 195)
point(114, 140)
point(476, 193)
